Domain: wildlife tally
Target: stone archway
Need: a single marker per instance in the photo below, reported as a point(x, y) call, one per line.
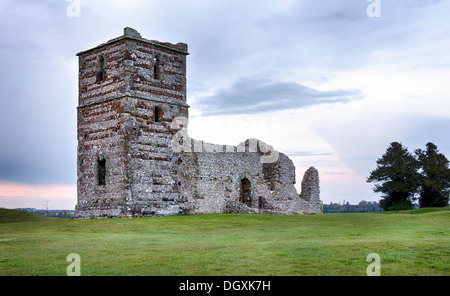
point(245, 192)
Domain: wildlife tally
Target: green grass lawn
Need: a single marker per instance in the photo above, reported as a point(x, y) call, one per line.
point(409, 243)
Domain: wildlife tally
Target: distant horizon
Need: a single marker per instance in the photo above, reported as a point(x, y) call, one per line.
point(62, 209)
point(42, 209)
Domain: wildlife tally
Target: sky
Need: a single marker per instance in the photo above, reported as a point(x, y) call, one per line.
point(330, 83)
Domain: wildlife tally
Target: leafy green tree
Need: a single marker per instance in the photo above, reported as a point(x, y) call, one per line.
point(435, 181)
point(396, 177)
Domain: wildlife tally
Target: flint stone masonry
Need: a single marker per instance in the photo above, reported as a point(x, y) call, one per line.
point(310, 193)
point(131, 90)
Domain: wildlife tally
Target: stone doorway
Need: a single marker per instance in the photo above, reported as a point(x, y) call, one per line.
point(246, 192)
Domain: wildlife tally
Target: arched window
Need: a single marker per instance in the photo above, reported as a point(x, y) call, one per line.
point(246, 192)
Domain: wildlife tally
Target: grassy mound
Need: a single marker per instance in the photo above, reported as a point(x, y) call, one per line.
point(13, 216)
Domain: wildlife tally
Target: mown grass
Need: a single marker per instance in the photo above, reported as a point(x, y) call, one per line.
point(409, 243)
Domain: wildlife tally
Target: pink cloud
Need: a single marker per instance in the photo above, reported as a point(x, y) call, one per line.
point(8, 189)
point(19, 195)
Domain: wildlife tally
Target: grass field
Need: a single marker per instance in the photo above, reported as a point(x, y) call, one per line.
point(409, 243)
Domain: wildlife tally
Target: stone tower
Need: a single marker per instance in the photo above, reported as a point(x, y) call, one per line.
point(130, 90)
point(135, 160)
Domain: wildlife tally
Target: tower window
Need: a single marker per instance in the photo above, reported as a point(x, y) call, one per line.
point(101, 167)
point(246, 192)
point(101, 74)
point(156, 68)
point(158, 114)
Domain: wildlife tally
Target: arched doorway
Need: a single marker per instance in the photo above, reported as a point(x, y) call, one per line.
point(246, 192)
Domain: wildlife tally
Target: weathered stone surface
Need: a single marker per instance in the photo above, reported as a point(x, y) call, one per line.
point(310, 185)
point(129, 160)
point(310, 193)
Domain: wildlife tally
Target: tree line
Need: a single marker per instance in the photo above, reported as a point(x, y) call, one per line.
point(403, 177)
point(346, 207)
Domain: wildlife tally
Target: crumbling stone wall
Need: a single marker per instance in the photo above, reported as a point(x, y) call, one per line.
point(130, 91)
point(213, 183)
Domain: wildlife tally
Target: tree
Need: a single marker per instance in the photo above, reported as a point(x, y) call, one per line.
point(435, 177)
point(396, 177)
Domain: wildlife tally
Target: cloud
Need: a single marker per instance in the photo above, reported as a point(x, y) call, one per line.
point(38, 79)
point(37, 119)
point(418, 3)
point(246, 96)
point(359, 139)
point(333, 173)
point(9, 189)
point(307, 153)
point(37, 196)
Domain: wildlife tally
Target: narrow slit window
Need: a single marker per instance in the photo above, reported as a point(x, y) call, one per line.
point(157, 114)
point(101, 69)
point(101, 172)
point(156, 68)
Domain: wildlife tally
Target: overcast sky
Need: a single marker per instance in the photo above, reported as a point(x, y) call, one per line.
point(320, 80)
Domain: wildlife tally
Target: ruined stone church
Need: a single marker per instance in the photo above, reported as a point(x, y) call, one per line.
point(135, 157)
